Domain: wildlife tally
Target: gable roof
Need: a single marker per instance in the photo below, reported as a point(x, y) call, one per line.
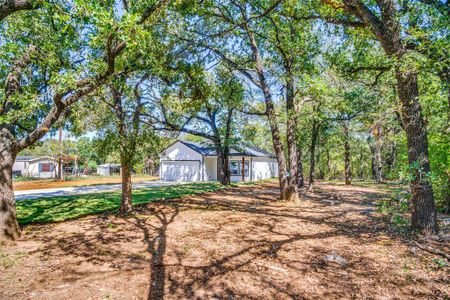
point(203, 149)
point(206, 149)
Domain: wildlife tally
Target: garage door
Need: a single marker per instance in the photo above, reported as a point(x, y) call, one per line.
point(180, 170)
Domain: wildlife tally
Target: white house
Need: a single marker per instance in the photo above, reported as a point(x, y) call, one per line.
point(39, 167)
point(189, 161)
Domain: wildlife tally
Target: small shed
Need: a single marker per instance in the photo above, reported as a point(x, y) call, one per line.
point(108, 169)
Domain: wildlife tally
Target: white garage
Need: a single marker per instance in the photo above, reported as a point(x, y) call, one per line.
point(180, 170)
point(189, 161)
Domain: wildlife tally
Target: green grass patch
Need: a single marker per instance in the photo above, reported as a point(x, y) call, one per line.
point(22, 178)
point(54, 209)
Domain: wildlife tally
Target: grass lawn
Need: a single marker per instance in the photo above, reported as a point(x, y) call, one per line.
point(62, 208)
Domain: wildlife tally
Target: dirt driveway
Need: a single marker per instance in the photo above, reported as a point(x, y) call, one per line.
point(233, 244)
point(78, 190)
point(81, 181)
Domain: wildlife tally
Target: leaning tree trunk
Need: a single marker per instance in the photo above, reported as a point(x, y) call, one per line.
point(9, 228)
point(291, 131)
point(287, 191)
point(347, 170)
point(423, 206)
point(127, 187)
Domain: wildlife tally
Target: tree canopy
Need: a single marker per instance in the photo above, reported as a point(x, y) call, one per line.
point(336, 89)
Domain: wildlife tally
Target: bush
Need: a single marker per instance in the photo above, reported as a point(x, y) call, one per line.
point(397, 208)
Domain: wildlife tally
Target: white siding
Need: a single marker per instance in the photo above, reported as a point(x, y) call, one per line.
point(264, 167)
point(179, 151)
point(210, 169)
point(31, 168)
point(180, 170)
point(180, 163)
point(20, 166)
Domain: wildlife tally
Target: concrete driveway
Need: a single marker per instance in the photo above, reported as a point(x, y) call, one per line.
point(68, 191)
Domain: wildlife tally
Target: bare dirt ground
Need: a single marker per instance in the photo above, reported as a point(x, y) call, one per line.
point(51, 183)
point(237, 243)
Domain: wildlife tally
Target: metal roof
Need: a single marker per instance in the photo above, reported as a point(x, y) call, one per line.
point(207, 149)
point(108, 166)
point(30, 158)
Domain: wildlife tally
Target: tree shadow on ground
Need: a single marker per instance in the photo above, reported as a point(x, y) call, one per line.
point(156, 245)
point(239, 243)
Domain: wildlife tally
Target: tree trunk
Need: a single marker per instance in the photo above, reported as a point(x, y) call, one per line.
point(372, 165)
point(447, 134)
point(423, 206)
point(222, 167)
point(445, 77)
point(447, 195)
point(60, 167)
point(361, 166)
point(287, 191)
point(60, 161)
point(388, 32)
point(377, 158)
point(328, 164)
point(9, 228)
point(347, 170)
point(319, 163)
point(378, 167)
point(127, 188)
point(391, 157)
point(300, 178)
point(291, 131)
point(312, 150)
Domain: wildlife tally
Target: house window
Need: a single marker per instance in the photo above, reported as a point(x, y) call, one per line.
point(45, 167)
point(236, 167)
point(245, 168)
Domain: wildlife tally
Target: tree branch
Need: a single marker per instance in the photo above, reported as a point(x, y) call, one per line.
point(252, 113)
point(331, 20)
point(8, 7)
point(83, 87)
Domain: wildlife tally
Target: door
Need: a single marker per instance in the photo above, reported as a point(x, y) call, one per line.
point(180, 170)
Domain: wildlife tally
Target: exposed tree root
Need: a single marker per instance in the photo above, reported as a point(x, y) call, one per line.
point(433, 250)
